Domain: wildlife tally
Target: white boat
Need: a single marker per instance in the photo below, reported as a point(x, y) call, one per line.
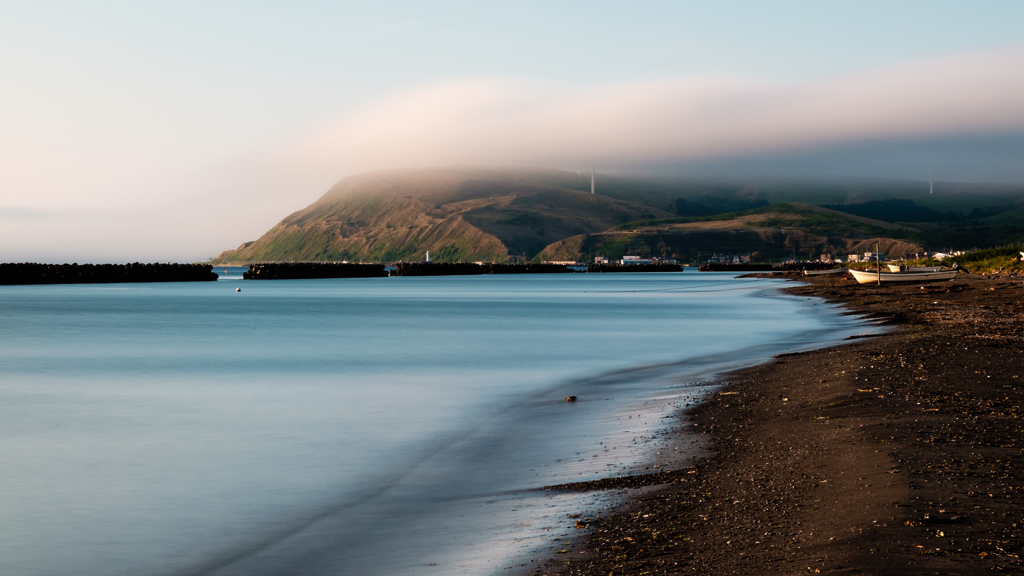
point(872, 277)
point(820, 272)
point(905, 268)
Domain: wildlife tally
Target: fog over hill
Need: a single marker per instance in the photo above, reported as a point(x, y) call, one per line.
point(463, 214)
point(455, 214)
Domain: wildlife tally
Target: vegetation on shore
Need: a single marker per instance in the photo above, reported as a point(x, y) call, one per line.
point(1003, 260)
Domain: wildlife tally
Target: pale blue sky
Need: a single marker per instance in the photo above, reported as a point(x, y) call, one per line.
point(243, 70)
point(120, 108)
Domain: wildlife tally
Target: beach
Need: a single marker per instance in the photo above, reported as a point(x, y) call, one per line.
point(893, 454)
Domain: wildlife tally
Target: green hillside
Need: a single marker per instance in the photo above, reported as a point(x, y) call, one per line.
point(773, 232)
point(498, 215)
point(1012, 216)
point(455, 214)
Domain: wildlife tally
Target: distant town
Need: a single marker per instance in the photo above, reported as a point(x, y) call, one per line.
point(748, 259)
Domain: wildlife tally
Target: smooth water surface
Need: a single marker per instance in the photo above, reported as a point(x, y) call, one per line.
point(340, 426)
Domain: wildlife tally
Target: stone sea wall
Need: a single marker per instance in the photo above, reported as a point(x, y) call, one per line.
point(298, 270)
point(456, 269)
point(33, 273)
point(436, 269)
point(496, 268)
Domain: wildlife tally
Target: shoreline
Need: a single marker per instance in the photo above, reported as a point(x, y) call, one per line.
point(890, 454)
point(668, 451)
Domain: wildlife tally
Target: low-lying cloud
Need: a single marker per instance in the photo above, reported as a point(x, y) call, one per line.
point(500, 121)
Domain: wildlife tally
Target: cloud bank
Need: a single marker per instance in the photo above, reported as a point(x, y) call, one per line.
point(498, 121)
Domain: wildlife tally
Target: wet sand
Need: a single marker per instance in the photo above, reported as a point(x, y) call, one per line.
point(897, 454)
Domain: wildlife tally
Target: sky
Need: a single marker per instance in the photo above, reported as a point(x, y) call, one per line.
point(172, 131)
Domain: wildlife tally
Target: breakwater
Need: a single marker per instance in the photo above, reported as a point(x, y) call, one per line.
point(634, 268)
point(498, 268)
point(299, 270)
point(33, 273)
point(458, 269)
point(436, 269)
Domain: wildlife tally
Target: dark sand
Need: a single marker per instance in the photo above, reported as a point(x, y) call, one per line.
point(899, 454)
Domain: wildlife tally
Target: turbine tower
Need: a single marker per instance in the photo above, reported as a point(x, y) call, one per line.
point(592, 178)
point(931, 170)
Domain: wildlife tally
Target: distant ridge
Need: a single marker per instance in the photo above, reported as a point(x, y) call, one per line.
point(770, 233)
point(458, 215)
point(468, 215)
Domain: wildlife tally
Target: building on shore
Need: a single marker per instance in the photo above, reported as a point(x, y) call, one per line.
point(629, 260)
point(635, 260)
point(730, 259)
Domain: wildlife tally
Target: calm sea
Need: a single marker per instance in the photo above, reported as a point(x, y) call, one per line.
point(350, 426)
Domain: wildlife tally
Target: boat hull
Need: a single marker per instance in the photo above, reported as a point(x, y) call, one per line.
point(820, 272)
point(864, 277)
point(896, 268)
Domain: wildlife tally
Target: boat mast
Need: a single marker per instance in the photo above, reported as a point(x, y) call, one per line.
point(878, 265)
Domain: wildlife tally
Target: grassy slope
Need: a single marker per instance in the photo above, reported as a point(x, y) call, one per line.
point(805, 217)
point(455, 214)
point(469, 214)
point(371, 227)
point(1014, 216)
point(771, 232)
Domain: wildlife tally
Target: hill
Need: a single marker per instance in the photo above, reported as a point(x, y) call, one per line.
point(772, 232)
point(455, 214)
point(500, 215)
point(970, 199)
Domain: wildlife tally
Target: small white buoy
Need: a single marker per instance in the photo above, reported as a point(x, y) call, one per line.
point(238, 289)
